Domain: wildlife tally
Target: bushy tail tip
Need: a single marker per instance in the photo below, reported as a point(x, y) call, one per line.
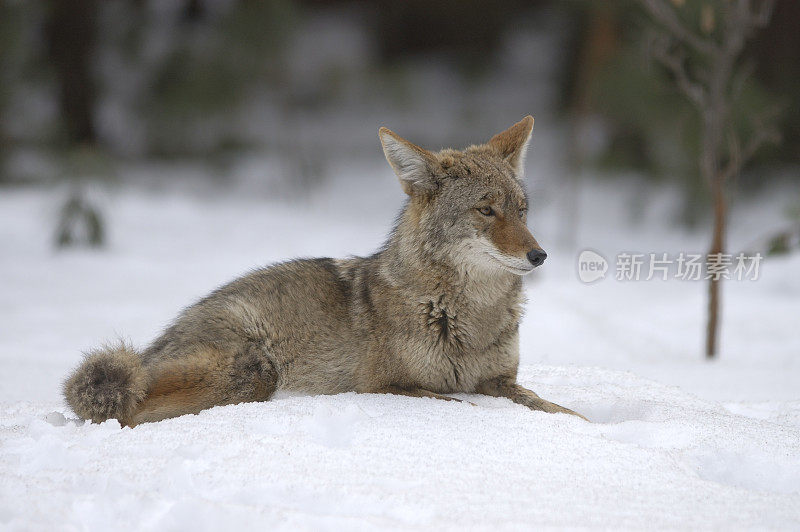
point(108, 384)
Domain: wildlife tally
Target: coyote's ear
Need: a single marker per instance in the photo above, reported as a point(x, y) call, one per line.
point(413, 165)
point(513, 143)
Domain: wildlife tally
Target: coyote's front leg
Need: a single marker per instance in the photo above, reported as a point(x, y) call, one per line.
point(506, 387)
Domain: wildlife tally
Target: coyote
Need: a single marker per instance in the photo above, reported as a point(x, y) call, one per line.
point(435, 311)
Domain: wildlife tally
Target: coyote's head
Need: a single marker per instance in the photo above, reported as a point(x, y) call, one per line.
point(468, 207)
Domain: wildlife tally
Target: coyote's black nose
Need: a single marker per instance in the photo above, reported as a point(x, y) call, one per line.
point(537, 257)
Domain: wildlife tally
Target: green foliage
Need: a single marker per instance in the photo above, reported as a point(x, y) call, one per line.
point(645, 115)
point(215, 62)
point(14, 56)
point(81, 222)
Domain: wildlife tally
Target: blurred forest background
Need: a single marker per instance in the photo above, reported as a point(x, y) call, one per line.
point(90, 89)
point(152, 149)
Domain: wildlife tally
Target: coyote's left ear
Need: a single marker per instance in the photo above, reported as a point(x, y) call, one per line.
point(513, 143)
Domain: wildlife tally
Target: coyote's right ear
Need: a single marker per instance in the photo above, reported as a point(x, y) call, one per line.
point(413, 165)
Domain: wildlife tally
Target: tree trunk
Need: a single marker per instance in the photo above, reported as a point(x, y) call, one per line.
point(717, 247)
point(714, 120)
point(71, 33)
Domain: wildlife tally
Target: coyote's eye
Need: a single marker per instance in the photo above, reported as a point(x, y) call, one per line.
point(486, 211)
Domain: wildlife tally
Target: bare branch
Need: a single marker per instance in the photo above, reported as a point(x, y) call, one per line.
point(736, 29)
point(666, 17)
point(675, 61)
point(739, 78)
point(763, 135)
point(765, 132)
point(745, 16)
point(761, 13)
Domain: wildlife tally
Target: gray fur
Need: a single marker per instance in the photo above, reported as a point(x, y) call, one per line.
point(435, 311)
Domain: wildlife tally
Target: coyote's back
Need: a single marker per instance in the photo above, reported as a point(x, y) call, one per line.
point(281, 326)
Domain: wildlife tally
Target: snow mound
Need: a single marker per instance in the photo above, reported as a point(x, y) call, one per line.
point(653, 456)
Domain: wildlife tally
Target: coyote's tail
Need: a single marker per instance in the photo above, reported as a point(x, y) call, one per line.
point(109, 383)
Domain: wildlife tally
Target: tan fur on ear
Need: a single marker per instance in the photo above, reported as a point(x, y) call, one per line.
point(513, 143)
point(413, 165)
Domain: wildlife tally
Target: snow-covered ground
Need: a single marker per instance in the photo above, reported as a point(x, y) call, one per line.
point(675, 441)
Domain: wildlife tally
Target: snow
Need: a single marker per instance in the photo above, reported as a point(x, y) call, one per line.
point(655, 457)
point(674, 442)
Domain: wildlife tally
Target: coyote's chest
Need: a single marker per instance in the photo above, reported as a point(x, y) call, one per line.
point(440, 319)
point(458, 347)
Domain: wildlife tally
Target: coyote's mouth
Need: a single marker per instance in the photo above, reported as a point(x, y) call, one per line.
point(508, 267)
